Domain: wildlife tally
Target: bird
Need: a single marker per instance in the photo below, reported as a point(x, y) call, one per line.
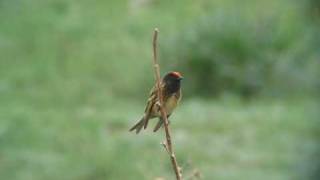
point(170, 86)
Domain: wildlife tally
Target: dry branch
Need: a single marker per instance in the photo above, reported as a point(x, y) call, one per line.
point(168, 144)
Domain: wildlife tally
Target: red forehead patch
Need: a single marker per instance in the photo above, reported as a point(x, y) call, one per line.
point(176, 74)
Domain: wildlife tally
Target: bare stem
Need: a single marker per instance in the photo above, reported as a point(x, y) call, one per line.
point(169, 147)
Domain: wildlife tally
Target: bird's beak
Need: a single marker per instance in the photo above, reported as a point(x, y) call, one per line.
point(180, 78)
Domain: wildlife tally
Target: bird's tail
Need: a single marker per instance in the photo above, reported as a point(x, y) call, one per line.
point(139, 125)
point(159, 124)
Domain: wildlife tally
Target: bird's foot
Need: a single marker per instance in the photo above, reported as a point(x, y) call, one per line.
point(158, 104)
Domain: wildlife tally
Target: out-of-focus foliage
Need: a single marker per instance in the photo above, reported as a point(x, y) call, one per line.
point(78, 49)
point(75, 74)
point(313, 8)
point(256, 48)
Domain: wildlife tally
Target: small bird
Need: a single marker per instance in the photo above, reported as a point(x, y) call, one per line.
point(171, 93)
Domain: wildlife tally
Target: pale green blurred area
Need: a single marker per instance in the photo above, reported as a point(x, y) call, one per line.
point(74, 77)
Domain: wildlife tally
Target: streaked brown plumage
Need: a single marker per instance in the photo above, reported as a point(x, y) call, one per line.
point(171, 92)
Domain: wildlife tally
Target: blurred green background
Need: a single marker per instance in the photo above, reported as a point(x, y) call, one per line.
point(75, 75)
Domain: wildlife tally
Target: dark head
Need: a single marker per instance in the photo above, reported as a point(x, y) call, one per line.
point(172, 82)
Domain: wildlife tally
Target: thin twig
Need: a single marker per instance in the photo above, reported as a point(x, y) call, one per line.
point(164, 144)
point(169, 147)
point(195, 174)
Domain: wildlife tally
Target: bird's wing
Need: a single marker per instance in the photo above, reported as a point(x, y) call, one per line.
point(153, 99)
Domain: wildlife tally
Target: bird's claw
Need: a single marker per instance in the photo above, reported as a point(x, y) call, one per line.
point(158, 104)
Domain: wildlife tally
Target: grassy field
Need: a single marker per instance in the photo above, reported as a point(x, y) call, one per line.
point(223, 139)
point(74, 77)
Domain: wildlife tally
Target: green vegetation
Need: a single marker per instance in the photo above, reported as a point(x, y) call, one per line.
point(225, 139)
point(250, 51)
point(74, 76)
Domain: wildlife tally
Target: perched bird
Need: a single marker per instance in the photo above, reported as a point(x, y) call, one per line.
point(171, 93)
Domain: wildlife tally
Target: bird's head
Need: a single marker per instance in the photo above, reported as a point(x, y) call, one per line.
point(173, 80)
point(173, 77)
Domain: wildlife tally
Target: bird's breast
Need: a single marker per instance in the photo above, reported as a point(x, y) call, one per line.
point(171, 104)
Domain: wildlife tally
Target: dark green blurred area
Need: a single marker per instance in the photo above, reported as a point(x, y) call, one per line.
point(74, 76)
point(250, 51)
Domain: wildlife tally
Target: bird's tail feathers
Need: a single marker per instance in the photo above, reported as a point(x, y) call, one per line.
point(139, 125)
point(159, 124)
